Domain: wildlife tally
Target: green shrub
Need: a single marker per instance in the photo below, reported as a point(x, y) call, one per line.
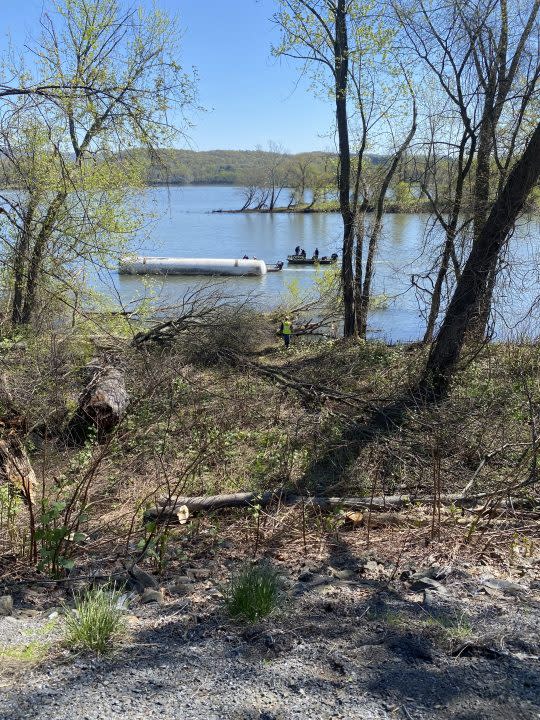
point(97, 623)
point(253, 593)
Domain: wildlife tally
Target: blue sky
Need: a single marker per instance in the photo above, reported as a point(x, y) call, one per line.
point(249, 96)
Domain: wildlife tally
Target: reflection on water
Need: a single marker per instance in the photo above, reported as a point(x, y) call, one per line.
point(187, 227)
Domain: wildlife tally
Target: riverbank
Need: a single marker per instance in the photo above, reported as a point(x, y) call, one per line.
point(435, 592)
point(232, 411)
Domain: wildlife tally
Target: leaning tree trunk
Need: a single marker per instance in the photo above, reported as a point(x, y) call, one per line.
point(102, 404)
point(480, 330)
point(438, 286)
point(462, 311)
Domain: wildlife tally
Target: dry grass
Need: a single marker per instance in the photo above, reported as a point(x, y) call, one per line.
point(199, 423)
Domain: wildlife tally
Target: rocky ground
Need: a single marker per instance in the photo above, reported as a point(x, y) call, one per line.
point(351, 639)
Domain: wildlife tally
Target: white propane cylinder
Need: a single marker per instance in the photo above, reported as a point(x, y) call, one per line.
point(190, 266)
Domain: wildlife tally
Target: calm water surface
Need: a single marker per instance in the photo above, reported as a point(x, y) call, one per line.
point(187, 227)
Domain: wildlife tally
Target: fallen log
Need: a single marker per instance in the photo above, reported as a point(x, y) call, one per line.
point(16, 470)
point(102, 403)
point(167, 508)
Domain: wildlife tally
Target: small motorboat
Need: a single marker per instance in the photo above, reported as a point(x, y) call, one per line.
point(275, 267)
point(301, 260)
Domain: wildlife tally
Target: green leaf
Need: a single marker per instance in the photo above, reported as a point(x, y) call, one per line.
point(66, 563)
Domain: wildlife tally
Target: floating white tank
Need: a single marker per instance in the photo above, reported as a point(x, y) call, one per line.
point(190, 266)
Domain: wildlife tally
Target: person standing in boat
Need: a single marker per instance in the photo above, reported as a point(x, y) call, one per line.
point(316, 254)
point(297, 250)
point(286, 330)
point(303, 253)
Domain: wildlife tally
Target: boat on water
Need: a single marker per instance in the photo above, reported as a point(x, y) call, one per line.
point(301, 260)
point(275, 267)
point(143, 265)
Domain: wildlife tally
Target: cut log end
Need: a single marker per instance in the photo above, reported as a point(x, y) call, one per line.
point(102, 404)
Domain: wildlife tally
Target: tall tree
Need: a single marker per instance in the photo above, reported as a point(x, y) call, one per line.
point(120, 79)
point(382, 96)
point(317, 31)
point(348, 46)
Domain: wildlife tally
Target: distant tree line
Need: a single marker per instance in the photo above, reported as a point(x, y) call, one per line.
point(242, 167)
point(274, 179)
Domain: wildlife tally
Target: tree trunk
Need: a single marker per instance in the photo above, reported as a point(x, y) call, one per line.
point(368, 275)
point(272, 199)
point(377, 227)
point(437, 288)
point(20, 260)
point(481, 206)
point(360, 231)
point(480, 329)
point(36, 260)
point(486, 249)
point(449, 250)
point(341, 70)
point(482, 178)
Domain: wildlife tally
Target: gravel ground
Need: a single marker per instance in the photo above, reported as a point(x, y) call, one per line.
point(338, 648)
point(207, 681)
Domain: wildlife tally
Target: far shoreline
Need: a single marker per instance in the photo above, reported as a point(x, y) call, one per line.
point(392, 208)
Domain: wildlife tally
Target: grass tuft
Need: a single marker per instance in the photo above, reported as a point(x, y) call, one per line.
point(97, 623)
point(253, 593)
point(455, 628)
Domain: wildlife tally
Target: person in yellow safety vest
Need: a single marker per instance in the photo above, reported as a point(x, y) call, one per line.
point(286, 330)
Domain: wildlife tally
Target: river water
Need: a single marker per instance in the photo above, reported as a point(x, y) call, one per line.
point(185, 226)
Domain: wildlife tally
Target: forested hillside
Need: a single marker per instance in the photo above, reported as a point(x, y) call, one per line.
point(225, 167)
